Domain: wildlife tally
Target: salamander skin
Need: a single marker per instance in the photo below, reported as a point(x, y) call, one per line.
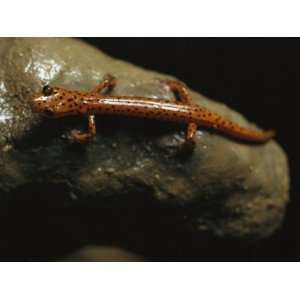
point(57, 102)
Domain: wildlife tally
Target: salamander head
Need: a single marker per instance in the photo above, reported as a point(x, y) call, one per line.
point(47, 101)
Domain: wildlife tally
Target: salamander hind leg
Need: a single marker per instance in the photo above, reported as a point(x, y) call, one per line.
point(190, 138)
point(179, 89)
point(76, 136)
point(185, 148)
point(108, 82)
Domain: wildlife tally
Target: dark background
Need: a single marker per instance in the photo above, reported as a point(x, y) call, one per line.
point(257, 77)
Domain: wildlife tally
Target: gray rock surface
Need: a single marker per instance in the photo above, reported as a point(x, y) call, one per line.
point(224, 189)
point(101, 254)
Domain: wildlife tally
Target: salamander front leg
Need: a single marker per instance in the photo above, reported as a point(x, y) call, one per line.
point(108, 82)
point(77, 136)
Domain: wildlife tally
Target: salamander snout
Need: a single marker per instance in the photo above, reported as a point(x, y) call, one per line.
point(45, 102)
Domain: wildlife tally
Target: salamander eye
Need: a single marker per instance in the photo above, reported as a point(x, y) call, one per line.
point(49, 112)
point(47, 90)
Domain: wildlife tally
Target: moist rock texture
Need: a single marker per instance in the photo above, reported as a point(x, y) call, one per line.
point(128, 186)
point(102, 253)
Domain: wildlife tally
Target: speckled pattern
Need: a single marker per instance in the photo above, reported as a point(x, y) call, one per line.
point(126, 187)
point(59, 102)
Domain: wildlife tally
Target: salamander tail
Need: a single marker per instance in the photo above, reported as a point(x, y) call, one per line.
point(233, 129)
point(246, 134)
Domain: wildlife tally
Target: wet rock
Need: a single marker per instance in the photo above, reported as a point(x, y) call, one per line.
point(225, 188)
point(101, 254)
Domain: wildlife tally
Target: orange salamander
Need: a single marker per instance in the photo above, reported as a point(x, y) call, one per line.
point(58, 102)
